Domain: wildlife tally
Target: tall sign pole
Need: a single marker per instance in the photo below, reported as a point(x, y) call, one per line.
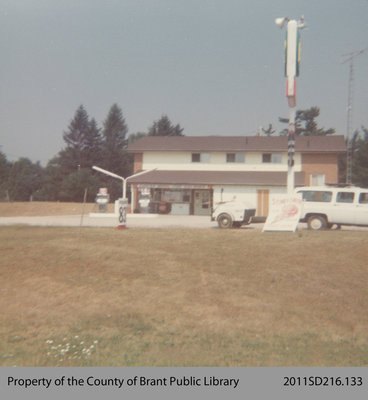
point(292, 66)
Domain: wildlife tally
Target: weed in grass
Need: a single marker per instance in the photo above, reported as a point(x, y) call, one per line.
point(69, 350)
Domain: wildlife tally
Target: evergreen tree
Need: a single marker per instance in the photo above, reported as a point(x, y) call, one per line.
point(114, 141)
point(83, 150)
point(164, 127)
point(305, 124)
point(114, 155)
point(360, 160)
point(83, 143)
point(93, 145)
point(74, 155)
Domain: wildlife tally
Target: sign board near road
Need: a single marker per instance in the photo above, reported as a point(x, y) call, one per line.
point(284, 214)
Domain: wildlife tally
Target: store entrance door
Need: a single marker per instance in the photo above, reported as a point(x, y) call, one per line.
point(202, 202)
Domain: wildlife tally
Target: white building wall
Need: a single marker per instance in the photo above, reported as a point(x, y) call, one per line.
point(180, 161)
point(245, 193)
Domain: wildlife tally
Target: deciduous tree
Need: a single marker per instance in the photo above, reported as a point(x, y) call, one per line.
point(74, 185)
point(4, 176)
point(25, 179)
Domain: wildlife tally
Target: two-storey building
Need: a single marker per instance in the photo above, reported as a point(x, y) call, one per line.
point(193, 173)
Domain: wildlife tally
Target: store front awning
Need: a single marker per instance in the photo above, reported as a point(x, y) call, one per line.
point(211, 178)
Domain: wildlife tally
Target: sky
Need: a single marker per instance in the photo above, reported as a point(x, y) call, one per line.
point(215, 67)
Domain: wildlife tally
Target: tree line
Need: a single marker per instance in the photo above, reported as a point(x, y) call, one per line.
point(69, 173)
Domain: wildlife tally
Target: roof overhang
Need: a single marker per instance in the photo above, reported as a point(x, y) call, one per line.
point(235, 178)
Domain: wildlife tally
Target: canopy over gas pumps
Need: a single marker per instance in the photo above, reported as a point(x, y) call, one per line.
point(123, 202)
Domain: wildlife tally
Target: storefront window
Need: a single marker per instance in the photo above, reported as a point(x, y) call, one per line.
point(175, 196)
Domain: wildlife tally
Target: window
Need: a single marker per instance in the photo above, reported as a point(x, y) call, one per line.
point(176, 196)
point(363, 198)
point(230, 157)
point(205, 157)
point(274, 158)
point(235, 157)
point(196, 157)
point(317, 179)
point(201, 157)
point(316, 195)
point(345, 197)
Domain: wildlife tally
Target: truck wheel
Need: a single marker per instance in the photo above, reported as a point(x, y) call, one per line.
point(225, 221)
point(317, 222)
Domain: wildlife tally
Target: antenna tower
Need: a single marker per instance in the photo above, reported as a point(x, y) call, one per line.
point(349, 125)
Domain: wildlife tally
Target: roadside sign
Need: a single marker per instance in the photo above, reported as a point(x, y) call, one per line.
point(284, 214)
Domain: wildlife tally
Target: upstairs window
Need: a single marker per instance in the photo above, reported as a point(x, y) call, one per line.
point(196, 157)
point(235, 157)
point(274, 158)
point(201, 157)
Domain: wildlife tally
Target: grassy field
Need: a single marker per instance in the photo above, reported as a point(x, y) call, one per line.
point(176, 297)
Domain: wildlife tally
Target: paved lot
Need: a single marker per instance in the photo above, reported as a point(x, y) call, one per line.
point(133, 221)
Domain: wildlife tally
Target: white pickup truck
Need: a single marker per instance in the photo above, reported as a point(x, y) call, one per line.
point(325, 206)
point(233, 214)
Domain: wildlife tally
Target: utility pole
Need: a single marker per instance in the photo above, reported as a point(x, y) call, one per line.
point(349, 124)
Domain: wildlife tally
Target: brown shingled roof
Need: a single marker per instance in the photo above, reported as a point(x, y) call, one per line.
point(332, 143)
point(246, 178)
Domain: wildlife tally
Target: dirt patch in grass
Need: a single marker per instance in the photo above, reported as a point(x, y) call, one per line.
point(40, 209)
point(183, 297)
